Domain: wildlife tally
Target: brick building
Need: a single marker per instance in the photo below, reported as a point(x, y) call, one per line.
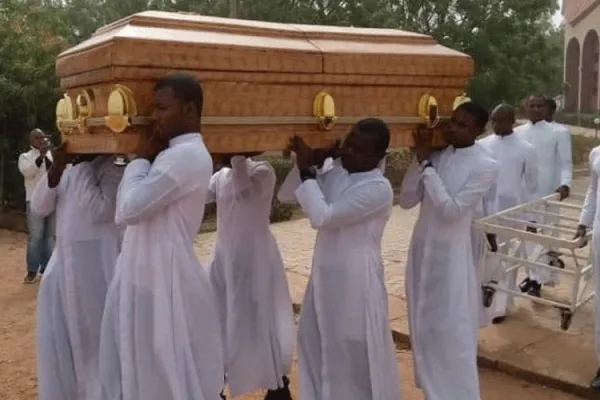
point(582, 52)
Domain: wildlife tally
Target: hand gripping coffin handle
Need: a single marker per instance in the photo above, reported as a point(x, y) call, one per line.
point(428, 110)
point(324, 110)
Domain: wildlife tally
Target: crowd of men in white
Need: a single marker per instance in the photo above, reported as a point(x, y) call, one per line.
point(126, 311)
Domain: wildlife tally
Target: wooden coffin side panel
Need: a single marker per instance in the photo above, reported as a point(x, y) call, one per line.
point(251, 116)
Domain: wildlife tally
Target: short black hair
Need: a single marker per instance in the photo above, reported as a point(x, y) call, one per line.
point(551, 104)
point(186, 88)
point(503, 106)
point(478, 112)
point(377, 131)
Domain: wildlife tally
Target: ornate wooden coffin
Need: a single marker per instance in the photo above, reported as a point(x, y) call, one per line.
point(263, 82)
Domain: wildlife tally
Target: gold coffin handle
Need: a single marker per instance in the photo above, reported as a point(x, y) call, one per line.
point(428, 110)
point(65, 111)
point(460, 100)
point(121, 107)
point(324, 110)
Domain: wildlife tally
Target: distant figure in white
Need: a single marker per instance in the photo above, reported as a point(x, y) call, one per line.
point(33, 165)
point(518, 168)
point(590, 218)
point(249, 279)
point(161, 334)
point(344, 340)
point(552, 145)
point(442, 287)
point(73, 290)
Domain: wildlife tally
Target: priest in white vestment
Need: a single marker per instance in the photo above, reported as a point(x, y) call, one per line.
point(249, 278)
point(73, 290)
point(590, 219)
point(345, 346)
point(442, 288)
point(161, 335)
point(555, 172)
point(518, 177)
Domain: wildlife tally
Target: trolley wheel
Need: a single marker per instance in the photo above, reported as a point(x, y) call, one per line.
point(566, 317)
point(488, 296)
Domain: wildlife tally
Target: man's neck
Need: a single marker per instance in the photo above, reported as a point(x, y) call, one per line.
point(504, 134)
point(538, 121)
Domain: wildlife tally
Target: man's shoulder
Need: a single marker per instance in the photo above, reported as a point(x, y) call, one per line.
point(28, 154)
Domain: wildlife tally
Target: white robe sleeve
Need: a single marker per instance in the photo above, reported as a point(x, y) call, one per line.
point(211, 195)
point(97, 196)
point(451, 208)
point(355, 206)
point(565, 157)
point(251, 180)
point(289, 186)
point(411, 192)
point(146, 189)
point(43, 199)
point(490, 201)
point(588, 211)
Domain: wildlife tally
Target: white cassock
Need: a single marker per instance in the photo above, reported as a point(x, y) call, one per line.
point(552, 145)
point(249, 279)
point(345, 344)
point(517, 179)
point(73, 290)
point(441, 280)
point(590, 217)
point(161, 336)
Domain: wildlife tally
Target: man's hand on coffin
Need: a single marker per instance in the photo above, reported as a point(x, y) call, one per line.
point(320, 155)
point(423, 138)
point(580, 234)
point(564, 192)
point(491, 238)
point(305, 156)
point(151, 147)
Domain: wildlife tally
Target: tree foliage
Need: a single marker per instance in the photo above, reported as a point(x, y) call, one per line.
point(516, 48)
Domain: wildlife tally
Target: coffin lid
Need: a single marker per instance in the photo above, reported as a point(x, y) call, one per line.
point(202, 32)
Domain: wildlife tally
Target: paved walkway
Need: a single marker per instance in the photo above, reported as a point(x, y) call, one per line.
point(530, 344)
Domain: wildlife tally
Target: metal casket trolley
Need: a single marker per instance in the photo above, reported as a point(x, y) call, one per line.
point(552, 248)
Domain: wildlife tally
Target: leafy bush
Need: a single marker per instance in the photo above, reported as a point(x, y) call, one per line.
point(582, 145)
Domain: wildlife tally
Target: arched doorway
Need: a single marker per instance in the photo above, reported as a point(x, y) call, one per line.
point(589, 72)
point(572, 75)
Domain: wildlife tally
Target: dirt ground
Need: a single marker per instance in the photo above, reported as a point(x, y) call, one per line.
point(17, 342)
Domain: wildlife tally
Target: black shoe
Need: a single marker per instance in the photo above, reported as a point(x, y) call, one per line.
point(535, 289)
point(595, 384)
point(525, 285)
point(30, 278)
point(281, 393)
point(223, 396)
point(498, 320)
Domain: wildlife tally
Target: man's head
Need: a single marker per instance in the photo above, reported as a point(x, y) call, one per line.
point(550, 109)
point(468, 121)
point(536, 108)
point(178, 105)
point(37, 139)
point(503, 119)
point(365, 145)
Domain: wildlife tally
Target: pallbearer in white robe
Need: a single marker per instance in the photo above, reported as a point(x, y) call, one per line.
point(441, 279)
point(517, 179)
point(555, 172)
point(590, 219)
point(73, 290)
point(161, 336)
point(249, 279)
point(345, 343)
